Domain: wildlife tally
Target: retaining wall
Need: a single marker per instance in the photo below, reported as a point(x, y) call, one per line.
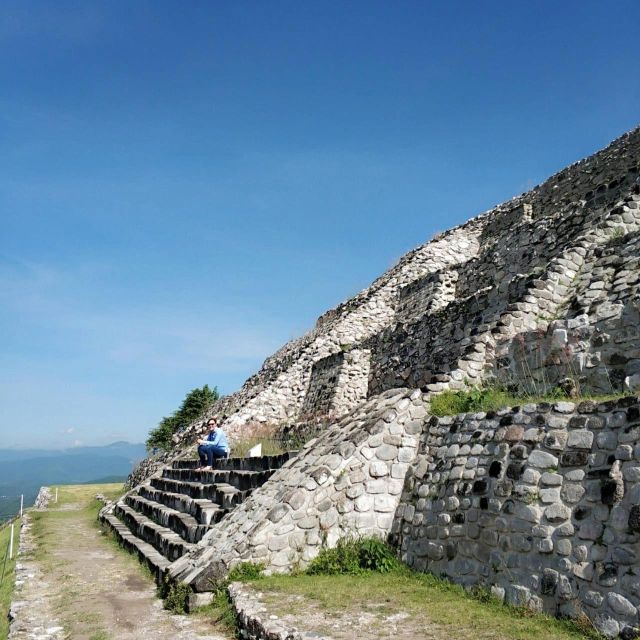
point(541, 503)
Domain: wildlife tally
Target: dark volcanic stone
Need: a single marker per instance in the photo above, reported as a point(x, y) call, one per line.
point(633, 413)
point(610, 492)
point(609, 575)
point(634, 518)
point(495, 468)
point(587, 406)
point(629, 633)
point(581, 513)
point(574, 458)
point(514, 470)
point(480, 486)
point(549, 582)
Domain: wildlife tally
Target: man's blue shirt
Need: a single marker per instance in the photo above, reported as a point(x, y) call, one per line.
point(218, 439)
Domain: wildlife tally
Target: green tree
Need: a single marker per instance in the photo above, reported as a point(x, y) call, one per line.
point(193, 407)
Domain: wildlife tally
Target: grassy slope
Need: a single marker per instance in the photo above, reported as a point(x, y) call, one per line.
point(425, 598)
point(450, 403)
point(6, 588)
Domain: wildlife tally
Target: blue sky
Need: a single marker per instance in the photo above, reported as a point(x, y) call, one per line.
point(184, 186)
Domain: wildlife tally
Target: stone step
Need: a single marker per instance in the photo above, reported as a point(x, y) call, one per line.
point(185, 525)
point(166, 541)
point(146, 553)
point(261, 463)
point(203, 510)
point(242, 480)
point(222, 494)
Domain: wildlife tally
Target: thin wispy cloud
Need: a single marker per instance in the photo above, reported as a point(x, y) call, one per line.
point(206, 337)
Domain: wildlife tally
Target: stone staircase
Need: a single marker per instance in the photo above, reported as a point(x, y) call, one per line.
point(167, 516)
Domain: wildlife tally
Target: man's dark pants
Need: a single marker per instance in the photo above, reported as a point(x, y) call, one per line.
point(208, 453)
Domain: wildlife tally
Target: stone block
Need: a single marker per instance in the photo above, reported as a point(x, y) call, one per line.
point(551, 479)
point(378, 469)
point(583, 570)
point(590, 530)
point(620, 605)
point(364, 503)
point(557, 513)
point(386, 452)
point(606, 625)
point(384, 503)
point(580, 439)
point(549, 496)
point(574, 458)
point(571, 492)
point(514, 433)
point(517, 596)
point(542, 459)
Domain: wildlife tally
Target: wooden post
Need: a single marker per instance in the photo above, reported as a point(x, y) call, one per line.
point(21, 503)
point(11, 543)
point(56, 494)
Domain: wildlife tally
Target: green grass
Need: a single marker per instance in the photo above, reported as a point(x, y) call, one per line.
point(6, 588)
point(450, 403)
point(426, 599)
point(45, 525)
point(219, 616)
point(361, 582)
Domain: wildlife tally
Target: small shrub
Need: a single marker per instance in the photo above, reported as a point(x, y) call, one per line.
point(176, 597)
point(354, 556)
point(482, 594)
point(246, 571)
point(343, 558)
point(376, 555)
point(617, 234)
point(223, 612)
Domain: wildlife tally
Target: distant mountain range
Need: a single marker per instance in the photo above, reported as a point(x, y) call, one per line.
point(24, 471)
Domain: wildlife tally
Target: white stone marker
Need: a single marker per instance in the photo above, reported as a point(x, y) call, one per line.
point(255, 452)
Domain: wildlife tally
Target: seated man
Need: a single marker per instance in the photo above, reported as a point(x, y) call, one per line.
point(215, 445)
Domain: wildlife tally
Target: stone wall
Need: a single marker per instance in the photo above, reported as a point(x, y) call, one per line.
point(338, 383)
point(347, 482)
point(426, 295)
point(541, 503)
point(597, 345)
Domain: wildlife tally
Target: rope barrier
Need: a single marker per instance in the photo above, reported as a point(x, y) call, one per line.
point(7, 554)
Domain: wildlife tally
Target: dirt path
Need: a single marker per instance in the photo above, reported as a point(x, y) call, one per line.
point(82, 587)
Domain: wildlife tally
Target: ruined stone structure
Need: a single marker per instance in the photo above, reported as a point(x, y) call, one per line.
point(541, 502)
